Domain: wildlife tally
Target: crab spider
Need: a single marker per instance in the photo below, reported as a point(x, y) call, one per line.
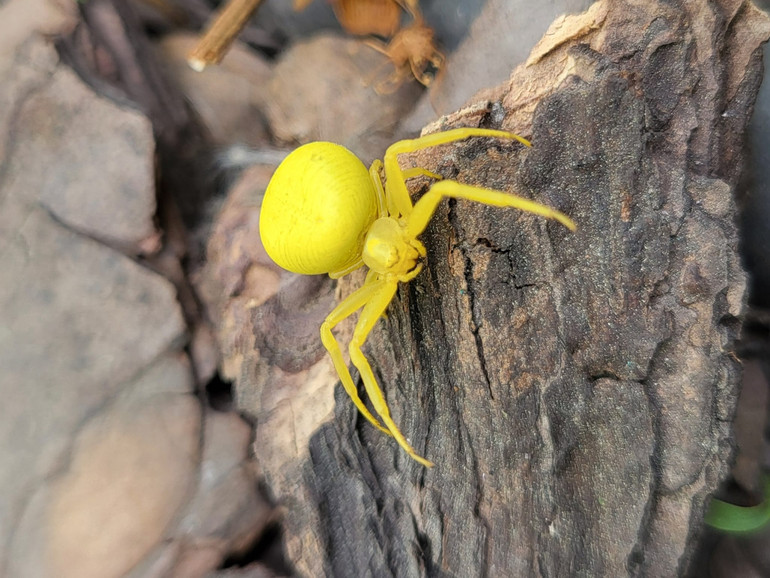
point(323, 212)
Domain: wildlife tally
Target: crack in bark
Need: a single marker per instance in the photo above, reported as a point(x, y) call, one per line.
point(475, 321)
point(636, 558)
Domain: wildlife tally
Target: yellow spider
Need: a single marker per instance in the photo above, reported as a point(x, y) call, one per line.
point(323, 212)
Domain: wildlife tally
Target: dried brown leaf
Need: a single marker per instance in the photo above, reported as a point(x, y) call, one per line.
point(362, 17)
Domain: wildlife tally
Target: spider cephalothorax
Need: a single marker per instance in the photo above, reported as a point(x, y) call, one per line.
point(323, 212)
point(388, 250)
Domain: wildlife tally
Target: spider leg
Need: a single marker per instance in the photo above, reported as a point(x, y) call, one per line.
point(447, 136)
point(384, 208)
point(422, 77)
point(378, 46)
point(342, 272)
point(426, 206)
point(407, 174)
point(420, 172)
point(393, 82)
point(396, 192)
point(374, 173)
point(345, 309)
point(378, 302)
point(381, 86)
point(437, 60)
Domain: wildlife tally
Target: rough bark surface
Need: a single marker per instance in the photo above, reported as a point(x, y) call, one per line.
point(574, 390)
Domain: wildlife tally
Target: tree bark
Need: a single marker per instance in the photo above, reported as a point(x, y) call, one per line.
point(575, 390)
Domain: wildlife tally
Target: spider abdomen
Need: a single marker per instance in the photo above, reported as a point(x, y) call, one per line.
point(317, 209)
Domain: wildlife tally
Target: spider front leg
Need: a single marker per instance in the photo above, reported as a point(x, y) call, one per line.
point(386, 204)
point(381, 295)
point(424, 208)
point(395, 177)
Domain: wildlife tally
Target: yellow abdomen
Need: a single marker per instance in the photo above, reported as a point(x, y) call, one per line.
point(317, 209)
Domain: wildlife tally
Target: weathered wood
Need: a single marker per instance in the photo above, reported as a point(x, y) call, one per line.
point(574, 390)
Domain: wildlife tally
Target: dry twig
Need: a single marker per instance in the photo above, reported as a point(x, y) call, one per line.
point(221, 33)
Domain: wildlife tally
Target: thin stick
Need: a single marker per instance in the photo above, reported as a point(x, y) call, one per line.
point(221, 33)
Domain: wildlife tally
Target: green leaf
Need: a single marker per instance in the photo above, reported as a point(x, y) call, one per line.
point(739, 519)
